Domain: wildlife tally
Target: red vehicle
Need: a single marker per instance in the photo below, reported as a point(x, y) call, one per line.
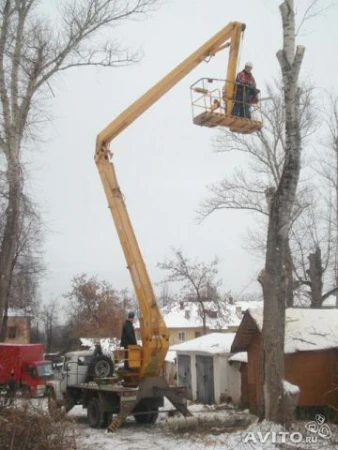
point(22, 367)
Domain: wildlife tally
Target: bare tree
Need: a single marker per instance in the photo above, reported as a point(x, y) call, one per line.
point(250, 189)
point(33, 50)
point(198, 284)
point(313, 249)
point(265, 155)
point(317, 229)
point(273, 278)
point(127, 301)
point(330, 175)
point(49, 316)
point(27, 265)
point(273, 192)
point(95, 308)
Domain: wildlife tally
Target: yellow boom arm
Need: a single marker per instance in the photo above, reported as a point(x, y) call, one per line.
point(154, 333)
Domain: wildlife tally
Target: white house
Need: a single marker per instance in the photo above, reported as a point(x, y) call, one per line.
point(202, 366)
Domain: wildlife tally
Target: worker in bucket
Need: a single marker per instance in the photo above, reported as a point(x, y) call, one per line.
point(246, 92)
point(128, 336)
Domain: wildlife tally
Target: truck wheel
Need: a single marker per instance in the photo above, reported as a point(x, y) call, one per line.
point(26, 391)
point(101, 367)
point(95, 416)
point(147, 417)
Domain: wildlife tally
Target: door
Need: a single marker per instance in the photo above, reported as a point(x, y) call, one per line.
point(205, 379)
point(184, 373)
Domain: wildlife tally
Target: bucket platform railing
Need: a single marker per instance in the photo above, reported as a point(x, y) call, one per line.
point(211, 108)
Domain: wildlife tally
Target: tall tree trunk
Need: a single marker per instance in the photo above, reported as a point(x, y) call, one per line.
point(289, 272)
point(274, 283)
point(10, 236)
point(336, 206)
point(274, 278)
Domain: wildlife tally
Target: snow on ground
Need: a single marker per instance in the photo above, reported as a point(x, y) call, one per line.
point(258, 436)
point(313, 435)
point(132, 436)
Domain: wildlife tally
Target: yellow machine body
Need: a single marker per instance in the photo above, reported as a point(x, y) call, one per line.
point(148, 360)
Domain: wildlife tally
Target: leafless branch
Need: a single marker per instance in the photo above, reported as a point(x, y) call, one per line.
point(314, 9)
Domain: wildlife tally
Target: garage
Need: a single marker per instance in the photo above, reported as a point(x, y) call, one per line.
point(202, 366)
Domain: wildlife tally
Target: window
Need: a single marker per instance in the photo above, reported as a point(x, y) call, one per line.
point(31, 371)
point(45, 370)
point(84, 360)
point(211, 314)
point(11, 333)
point(197, 334)
point(181, 336)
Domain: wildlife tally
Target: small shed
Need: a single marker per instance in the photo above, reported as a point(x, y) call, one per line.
point(202, 366)
point(311, 354)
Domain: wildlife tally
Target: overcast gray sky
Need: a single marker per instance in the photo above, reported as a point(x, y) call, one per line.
point(163, 161)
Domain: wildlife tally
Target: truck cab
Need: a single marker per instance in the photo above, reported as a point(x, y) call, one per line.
point(23, 367)
point(75, 368)
point(78, 367)
point(34, 376)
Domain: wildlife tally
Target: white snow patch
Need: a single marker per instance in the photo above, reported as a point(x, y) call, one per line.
point(108, 345)
point(170, 356)
point(290, 388)
point(239, 357)
point(17, 312)
point(190, 317)
point(213, 343)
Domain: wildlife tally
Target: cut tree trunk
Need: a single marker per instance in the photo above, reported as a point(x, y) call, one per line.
point(315, 274)
point(275, 278)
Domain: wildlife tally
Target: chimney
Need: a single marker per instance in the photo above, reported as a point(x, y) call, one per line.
point(187, 314)
point(239, 313)
point(181, 305)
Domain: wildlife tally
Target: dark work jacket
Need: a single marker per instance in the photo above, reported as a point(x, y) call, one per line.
point(128, 335)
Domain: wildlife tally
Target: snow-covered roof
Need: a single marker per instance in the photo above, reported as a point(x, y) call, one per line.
point(239, 357)
point(16, 312)
point(238, 309)
point(330, 301)
point(189, 317)
point(212, 343)
point(178, 319)
point(170, 356)
point(306, 329)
